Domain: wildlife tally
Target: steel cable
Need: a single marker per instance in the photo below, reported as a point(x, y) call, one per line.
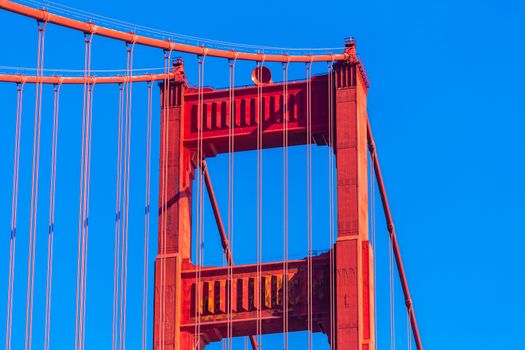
point(128, 87)
point(164, 194)
point(259, 233)
point(285, 207)
point(392, 297)
point(199, 247)
point(409, 330)
point(373, 235)
point(231, 200)
point(84, 198)
point(309, 201)
point(51, 227)
point(331, 207)
point(34, 192)
point(147, 219)
point(162, 34)
point(118, 205)
point(14, 209)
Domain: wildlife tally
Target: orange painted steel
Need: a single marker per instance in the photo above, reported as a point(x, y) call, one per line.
point(354, 303)
point(395, 245)
point(91, 28)
point(21, 78)
point(353, 136)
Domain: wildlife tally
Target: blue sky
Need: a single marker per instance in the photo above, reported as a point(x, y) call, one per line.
point(446, 106)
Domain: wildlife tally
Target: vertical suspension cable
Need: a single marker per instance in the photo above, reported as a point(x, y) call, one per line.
point(201, 185)
point(51, 227)
point(14, 209)
point(392, 296)
point(34, 190)
point(309, 200)
point(393, 240)
point(118, 198)
point(87, 185)
point(331, 200)
point(409, 330)
point(86, 205)
point(198, 207)
point(87, 180)
point(200, 199)
point(147, 219)
point(84, 196)
point(231, 198)
point(373, 234)
point(197, 216)
point(163, 195)
point(259, 242)
point(285, 206)
point(128, 86)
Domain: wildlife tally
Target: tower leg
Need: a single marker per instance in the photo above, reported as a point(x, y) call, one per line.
point(353, 287)
point(174, 235)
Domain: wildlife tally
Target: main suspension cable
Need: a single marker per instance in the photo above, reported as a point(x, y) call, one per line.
point(51, 227)
point(14, 210)
point(34, 192)
point(159, 33)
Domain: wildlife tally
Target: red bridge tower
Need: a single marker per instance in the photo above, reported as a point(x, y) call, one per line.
point(175, 292)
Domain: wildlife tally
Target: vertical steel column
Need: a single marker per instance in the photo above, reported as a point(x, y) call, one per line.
point(174, 243)
point(354, 326)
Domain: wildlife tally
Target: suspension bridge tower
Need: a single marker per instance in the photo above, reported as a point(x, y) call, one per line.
point(343, 294)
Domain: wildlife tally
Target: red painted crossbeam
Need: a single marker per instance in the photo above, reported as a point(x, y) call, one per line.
point(214, 289)
point(215, 110)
